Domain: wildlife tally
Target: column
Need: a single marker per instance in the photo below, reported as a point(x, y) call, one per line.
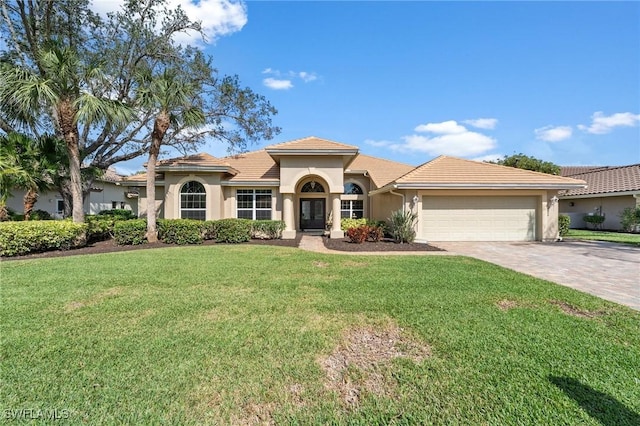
point(336, 232)
point(289, 232)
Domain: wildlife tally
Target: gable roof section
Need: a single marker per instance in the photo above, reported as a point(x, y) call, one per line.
point(451, 172)
point(380, 171)
point(256, 166)
point(608, 180)
point(196, 162)
point(311, 144)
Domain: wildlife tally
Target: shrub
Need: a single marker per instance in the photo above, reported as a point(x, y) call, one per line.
point(358, 235)
point(209, 229)
point(121, 214)
point(180, 231)
point(17, 238)
point(99, 228)
point(40, 214)
point(233, 230)
point(347, 223)
point(130, 232)
point(594, 220)
point(401, 225)
point(267, 229)
point(376, 233)
point(630, 219)
point(563, 224)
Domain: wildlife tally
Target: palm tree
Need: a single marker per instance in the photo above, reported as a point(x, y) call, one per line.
point(171, 94)
point(59, 85)
point(39, 160)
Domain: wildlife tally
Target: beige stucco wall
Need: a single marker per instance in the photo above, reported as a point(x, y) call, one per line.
point(211, 181)
point(611, 207)
point(229, 195)
point(382, 205)
point(296, 168)
point(142, 202)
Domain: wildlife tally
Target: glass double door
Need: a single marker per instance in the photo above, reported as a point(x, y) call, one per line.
point(312, 213)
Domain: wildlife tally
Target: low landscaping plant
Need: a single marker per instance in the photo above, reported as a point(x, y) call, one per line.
point(563, 224)
point(121, 214)
point(360, 234)
point(630, 219)
point(233, 230)
point(209, 229)
point(130, 232)
point(19, 238)
point(401, 226)
point(348, 223)
point(180, 231)
point(594, 221)
point(267, 229)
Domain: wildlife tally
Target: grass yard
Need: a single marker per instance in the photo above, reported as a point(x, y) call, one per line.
point(614, 237)
point(248, 334)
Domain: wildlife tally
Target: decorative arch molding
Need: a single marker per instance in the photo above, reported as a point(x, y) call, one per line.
point(176, 193)
point(307, 175)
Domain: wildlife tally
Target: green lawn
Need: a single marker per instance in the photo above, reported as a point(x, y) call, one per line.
point(614, 237)
point(242, 334)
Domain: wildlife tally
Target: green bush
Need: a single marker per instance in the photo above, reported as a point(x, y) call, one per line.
point(99, 228)
point(594, 220)
point(563, 224)
point(209, 229)
point(267, 229)
point(401, 226)
point(121, 214)
point(347, 223)
point(130, 232)
point(18, 238)
point(630, 219)
point(233, 230)
point(40, 214)
point(180, 231)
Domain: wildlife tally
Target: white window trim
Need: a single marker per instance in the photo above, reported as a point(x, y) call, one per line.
point(253, 209)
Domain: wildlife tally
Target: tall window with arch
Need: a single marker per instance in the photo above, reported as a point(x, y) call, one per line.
point(352, 208)
point(193, 201)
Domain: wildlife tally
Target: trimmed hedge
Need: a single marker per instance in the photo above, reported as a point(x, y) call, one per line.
point(18, 238)
point(233, 230)
point(563, 224)
point(209, 229)
point(130, 232)
point(180, 231)
point(267, 229)
point(348, 223)
point(121, 214)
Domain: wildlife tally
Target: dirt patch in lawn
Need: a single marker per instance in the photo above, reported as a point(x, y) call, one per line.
point(319, 264)
point(361, 362)
point(576, 312)
point(506, 304)
point(384, 245)
point(72, 306)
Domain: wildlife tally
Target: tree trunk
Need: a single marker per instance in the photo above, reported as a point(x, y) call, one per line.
point(29, 199)
point(65, 193)
point(159, 129)
point(66, 117)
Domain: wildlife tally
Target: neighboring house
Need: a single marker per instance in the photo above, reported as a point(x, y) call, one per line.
point(309, 183)
point(105, 194)
point(609, 191)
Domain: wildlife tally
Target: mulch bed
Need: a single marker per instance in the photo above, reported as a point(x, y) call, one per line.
point(109, 246)
point(385, 245)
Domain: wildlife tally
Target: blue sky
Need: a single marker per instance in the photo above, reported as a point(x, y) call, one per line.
point(412, 80)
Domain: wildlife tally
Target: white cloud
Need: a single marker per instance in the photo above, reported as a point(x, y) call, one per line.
point(217, 17)
point(483, 123)
point(277, 84)
point(457, 144)
point(446, 127)
point(553, 134)
point(378, 144)
point(601, 124)
point(307, 77)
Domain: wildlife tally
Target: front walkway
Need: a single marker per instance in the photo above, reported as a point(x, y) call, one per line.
point(607, 270)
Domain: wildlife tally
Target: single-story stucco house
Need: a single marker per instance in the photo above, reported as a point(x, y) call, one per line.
point(105, 194)
point(309, 182)
point(609, 191)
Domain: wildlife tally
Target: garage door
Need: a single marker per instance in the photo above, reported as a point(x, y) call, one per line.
point(479, 218)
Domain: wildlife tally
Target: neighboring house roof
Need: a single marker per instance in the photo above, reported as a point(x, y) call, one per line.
point(577, 170)
point(380, 170)
point(451, 172)
point(608, 180)
point(110, 175)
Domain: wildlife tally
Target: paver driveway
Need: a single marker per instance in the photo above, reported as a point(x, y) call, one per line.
point(610, 271)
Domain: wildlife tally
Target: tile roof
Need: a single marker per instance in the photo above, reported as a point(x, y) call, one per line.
point(200, 159)
point(254, 166)
point(380, 170)
point(312, 143)
point(608, 180)
point(576, 170)
point(110, 175)
point(451, 170)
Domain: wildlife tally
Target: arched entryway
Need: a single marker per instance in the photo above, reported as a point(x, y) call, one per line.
point(312, 211)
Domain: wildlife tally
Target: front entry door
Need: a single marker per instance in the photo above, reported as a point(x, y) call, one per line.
point(312, 213)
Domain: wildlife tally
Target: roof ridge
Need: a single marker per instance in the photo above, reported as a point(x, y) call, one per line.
point(384, 159)
point(605, 168)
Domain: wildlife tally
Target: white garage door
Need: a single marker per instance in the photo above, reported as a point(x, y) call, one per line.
point(479, 218)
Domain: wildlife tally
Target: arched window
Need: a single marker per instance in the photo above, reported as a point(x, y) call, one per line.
point(352, 188)
point(193, 201)
point(312, 186)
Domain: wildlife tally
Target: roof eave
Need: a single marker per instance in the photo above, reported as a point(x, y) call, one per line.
point(488, 186)
point(600, 195)
point(250, 183)
point(192, 168)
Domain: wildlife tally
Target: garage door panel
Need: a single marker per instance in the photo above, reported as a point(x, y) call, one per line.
point(479, 218)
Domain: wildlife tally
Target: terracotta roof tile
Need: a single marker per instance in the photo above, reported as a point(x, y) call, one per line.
point(451, 170)
point(110, 175)
point(312, 143)
point(577, 170)
point(608, 180)
point(380, 170)
point(254, 166)
point(200, 159)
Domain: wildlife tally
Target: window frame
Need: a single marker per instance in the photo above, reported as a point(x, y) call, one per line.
point(256, 212)
point(203, 201)
point(350, 210)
